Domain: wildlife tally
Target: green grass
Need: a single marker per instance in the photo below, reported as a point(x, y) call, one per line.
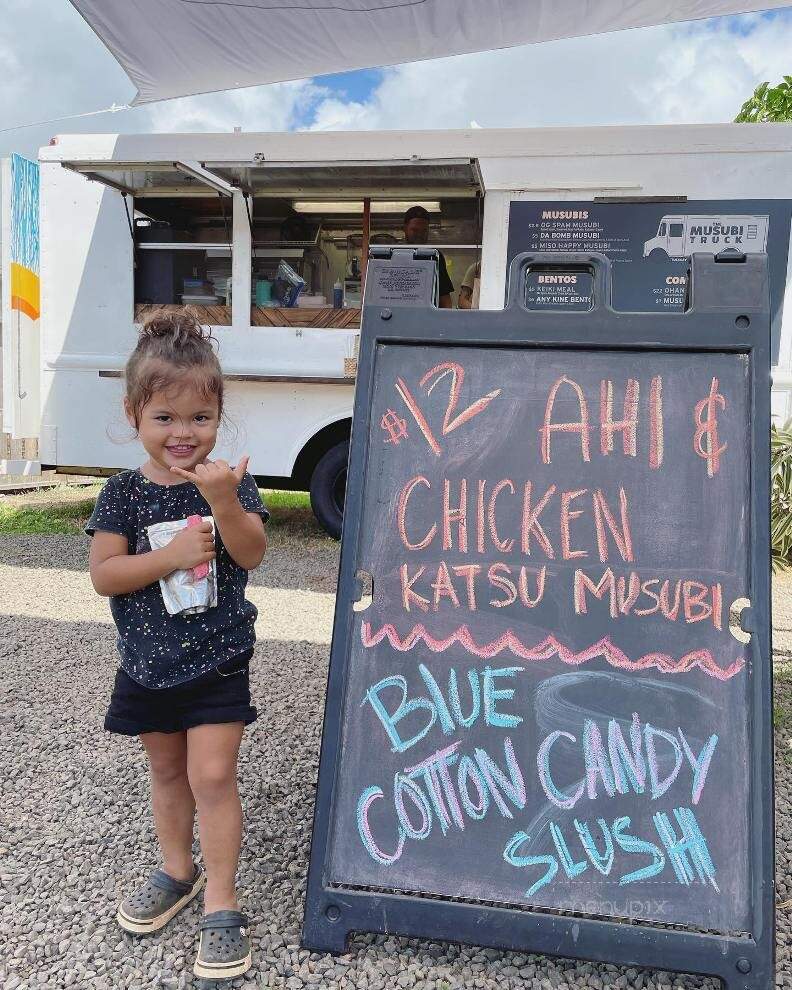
point(64, 518)
point(290, 510)
point(292, 514)
point(286, 500)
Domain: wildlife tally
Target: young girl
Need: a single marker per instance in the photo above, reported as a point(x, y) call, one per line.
point(183, 683)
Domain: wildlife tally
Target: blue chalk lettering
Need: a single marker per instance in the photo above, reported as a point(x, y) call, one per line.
point(557, 797)
point(690, 843)
point(446, 722)
point(631, 844)
point(402, 784)
point(659, 787)
point(367, 798)
point(513, 785)
point(700, 763)
point(405, 708)
point(492, 695)
point(571, 868)
point(429, 774)
point(511, 857)
point(602, 862)
point(629, 765)
point(468, 770)
point(475, 694)
point(597, 764)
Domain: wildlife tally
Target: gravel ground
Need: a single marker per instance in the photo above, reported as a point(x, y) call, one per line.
point(70, 846)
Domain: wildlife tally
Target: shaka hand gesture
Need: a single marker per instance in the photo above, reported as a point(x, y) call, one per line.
point(216, 480)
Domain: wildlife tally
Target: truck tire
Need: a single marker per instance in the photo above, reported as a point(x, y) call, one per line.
point(328, 488)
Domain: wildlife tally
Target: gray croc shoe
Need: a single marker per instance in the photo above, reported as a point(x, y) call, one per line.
point(158, 900)
point(224, 949)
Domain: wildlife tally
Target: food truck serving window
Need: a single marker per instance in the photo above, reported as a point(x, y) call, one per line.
point(310, 225)
point(314, 274)
point(183, 256)
point(180, 217)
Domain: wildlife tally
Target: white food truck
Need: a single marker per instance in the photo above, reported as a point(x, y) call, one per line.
point(678, 235)
point(131, 222)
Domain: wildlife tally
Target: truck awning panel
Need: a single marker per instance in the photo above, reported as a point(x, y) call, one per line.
point(154, 178)
point(334, 180)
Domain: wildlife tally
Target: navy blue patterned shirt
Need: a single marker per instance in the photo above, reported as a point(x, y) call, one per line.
point(156, 649)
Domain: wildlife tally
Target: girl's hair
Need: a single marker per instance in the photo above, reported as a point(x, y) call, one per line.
point(172, 347)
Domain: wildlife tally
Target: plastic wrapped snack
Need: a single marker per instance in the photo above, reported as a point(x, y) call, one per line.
point(190, 591)
point(287, 285)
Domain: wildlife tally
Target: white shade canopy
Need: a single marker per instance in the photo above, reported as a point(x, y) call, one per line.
point(171, 48)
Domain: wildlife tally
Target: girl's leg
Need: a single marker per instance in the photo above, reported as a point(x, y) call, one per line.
point(212, 752)
point(172, 800)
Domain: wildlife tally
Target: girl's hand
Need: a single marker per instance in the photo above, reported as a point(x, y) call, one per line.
point(191, 546)
point(217, 481)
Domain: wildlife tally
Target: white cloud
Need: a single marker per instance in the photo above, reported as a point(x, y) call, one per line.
point(674, 74)
point(264, 108)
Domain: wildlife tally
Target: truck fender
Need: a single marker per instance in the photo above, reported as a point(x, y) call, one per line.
point(310, 433)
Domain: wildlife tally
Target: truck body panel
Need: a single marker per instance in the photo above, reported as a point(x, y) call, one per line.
point(87, 256)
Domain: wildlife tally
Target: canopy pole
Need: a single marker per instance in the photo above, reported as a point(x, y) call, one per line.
point(241, 263)
point(126, 197)
point(366, 239)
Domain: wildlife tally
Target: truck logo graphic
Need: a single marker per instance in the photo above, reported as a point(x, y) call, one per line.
point(680, 236)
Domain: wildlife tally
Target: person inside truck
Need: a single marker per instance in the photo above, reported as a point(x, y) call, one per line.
point(416, 231)
point(468, 287)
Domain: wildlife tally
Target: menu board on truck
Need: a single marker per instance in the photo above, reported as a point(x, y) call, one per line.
point(649, 245)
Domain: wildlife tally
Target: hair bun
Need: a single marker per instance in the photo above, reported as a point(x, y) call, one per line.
point(178, 326)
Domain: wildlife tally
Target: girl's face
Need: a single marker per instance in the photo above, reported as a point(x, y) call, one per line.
point(178, 428)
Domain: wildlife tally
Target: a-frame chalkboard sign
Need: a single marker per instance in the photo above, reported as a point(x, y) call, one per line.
point(541, 732)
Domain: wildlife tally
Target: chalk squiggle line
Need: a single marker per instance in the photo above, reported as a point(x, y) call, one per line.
point(549, 648)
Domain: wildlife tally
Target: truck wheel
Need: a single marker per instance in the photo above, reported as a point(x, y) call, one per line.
point(657, 255)
point(328, 488)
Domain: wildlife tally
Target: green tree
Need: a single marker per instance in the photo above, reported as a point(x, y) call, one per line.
point(768, 103)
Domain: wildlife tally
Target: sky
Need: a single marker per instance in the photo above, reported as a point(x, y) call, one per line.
point(52, 66)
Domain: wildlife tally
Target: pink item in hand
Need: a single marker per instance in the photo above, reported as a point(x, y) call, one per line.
point(200, 571)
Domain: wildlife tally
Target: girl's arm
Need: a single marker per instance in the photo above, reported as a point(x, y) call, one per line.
point(114, 571)
point(243, 532)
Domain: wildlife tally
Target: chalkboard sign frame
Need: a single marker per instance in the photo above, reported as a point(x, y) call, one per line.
point(728, 314)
